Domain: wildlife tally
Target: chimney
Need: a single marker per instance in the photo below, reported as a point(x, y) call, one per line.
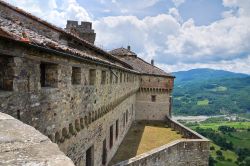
point(129, 48)
point(152, 62)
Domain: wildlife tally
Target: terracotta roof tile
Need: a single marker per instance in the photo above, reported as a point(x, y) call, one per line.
point(15, 31)
point(122, 52)
point(49, 41)
point(137, 63)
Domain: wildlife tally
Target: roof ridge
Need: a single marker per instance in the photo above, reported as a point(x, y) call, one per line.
point(152, 65)
point(50, 25)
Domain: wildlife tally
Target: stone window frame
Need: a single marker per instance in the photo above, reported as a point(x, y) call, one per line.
point(92, 76)
point(111, 77)
point(76, 75)
point(153, 98)
point(120, 77)
point(6, 73)
point(103, 77)
point(90, 156)
point(116, 77)
point(116, 128)
point(111, 136)
point(48, 80)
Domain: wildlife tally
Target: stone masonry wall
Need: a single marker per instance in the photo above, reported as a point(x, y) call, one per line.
point(21, 144)
point(75, 114)
point(153, 98)
point(177, 153)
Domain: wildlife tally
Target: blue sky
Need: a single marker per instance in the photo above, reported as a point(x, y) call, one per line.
point(177, 34)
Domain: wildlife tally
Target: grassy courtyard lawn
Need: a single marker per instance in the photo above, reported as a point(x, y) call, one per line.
point(143, 137)
point(203, 102)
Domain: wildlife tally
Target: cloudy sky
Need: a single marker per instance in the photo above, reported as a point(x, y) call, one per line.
point(177, 34)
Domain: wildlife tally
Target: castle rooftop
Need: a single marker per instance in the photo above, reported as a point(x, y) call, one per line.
point(138, 64)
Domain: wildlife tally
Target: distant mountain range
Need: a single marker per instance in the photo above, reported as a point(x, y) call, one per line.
point(211, 92)
point(202, 74)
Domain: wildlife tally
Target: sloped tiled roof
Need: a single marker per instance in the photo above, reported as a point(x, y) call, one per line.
point(13, 29)
point(137, 63)
point(122, 52)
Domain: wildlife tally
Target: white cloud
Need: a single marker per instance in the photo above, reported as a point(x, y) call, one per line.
point(177, 3)
point(243, 6)
point(175, 13)
point(146, 36)
point(236, 65)
point(54, 11)
point(168, 40)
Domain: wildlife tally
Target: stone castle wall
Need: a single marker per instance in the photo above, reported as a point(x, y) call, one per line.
point(153, 101)
point(177, 153)
point(21, 144)
point(78, 103)
point(85, 105)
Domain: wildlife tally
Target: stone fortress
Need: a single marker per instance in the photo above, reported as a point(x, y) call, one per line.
point(78, 98)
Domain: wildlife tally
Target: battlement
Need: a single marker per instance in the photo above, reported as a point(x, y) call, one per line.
point(84, 30)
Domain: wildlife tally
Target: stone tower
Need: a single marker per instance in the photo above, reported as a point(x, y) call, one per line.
point(84, 30)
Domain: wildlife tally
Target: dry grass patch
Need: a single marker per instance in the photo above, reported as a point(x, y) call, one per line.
point(143, 137)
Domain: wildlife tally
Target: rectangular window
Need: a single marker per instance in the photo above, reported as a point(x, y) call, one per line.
point(120, 77)
point(104, 152)
point(111, 137)
point(111, 77)
point(92, 76)
point(76, 76)
point(48, 75)
point(6, 73)
point(116, 78)
point(127, 116)
point(90, 156)
point(124, 119)
point(116, 129)
point(153, 98)
point(103, 77)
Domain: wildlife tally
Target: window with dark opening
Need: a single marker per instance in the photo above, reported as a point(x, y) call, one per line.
point(76, 76)
point(124, 119)
point(127, 116)
point(116, 78)
point(116, 129)
point(18, 115)
point(111, 137)
point(103, 77)
point(92, 76)
point(48, 75)
point(153, 98)
point(104, 152)
point(120, 77)
point(90, 156)
point(6, 73)
point(111, 77)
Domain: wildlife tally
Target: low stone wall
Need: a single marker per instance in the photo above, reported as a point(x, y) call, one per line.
point(192, 150)
point(21, 144)
point(185, 131)
point(177, 153)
